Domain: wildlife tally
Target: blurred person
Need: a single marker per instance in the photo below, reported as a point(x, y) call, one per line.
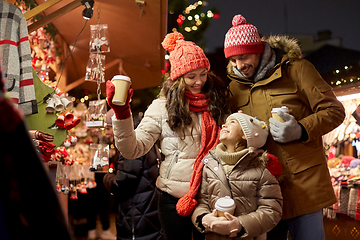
point(99, 199)
point(132, 182)
point(270, 73)
point(29, 205)
point(186, 119)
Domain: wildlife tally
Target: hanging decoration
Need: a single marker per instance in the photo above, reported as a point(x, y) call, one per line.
point(96, 114)
point(95, 71)
point(98, 45)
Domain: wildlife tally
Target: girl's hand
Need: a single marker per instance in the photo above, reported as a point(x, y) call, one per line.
point(230, 225)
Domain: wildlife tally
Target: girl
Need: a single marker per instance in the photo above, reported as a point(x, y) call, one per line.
point(186, 118)
point(238, 168)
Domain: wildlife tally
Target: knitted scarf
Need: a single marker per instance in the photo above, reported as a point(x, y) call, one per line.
point(209, 139)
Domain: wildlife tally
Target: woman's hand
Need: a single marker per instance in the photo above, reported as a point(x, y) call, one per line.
point(121, 112)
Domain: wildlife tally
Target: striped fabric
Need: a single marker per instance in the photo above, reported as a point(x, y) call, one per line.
point(242, 38)
point(15, 54)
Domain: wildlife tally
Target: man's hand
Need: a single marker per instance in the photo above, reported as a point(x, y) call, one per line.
point(285, 132)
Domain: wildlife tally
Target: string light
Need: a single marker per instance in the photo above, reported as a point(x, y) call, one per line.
point(347, 76)
point(194, 20)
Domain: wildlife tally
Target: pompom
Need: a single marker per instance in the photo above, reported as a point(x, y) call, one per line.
point(274, 166)
point(170, 40)
point(238, 20)
point(186, 205)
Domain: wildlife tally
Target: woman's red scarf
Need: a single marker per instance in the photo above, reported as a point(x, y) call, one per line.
point(209, 139)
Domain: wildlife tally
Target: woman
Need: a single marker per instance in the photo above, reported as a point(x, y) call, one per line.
point(186, 118)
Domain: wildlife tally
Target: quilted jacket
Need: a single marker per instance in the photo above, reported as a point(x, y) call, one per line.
point(179, 148)
point(255, 190)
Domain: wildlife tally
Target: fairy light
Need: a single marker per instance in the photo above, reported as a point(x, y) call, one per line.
point(194, 20)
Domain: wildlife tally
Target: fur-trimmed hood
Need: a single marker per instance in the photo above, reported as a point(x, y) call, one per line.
point(289, 46)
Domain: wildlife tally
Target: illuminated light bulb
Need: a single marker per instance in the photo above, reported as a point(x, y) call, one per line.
point(194, 28)
point(167, 56)
point(337, 71)
point(200, 2)
point(197, 16)
point(190, 18)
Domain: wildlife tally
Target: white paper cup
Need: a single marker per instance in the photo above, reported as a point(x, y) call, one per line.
point(225, 204)
point(122, 84)
point(274, 112)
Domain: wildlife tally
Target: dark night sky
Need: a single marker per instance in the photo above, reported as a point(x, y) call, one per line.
point(342, 18)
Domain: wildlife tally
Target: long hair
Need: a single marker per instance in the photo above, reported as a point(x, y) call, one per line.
point(178, 107)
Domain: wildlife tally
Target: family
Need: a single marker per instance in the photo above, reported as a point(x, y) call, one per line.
point(218, 138)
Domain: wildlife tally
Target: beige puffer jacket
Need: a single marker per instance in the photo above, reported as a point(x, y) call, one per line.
point(179, 149)
point(255, 190)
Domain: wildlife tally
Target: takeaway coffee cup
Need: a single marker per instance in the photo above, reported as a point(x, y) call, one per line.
point(225, 204)
point(274, 112)
point(122, 84)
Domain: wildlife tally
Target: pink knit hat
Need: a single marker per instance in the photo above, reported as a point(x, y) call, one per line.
point(185, 56)
point(242, 38)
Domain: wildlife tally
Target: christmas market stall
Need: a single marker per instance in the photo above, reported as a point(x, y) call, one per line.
point(75, 47)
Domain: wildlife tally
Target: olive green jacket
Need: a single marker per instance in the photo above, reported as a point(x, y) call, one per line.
point(295, 83)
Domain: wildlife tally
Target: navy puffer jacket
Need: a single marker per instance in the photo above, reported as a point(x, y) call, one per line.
point(136, 196)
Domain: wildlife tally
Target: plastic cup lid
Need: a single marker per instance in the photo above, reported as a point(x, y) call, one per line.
point(283, 108)
point(121, 77)
point(225, 204)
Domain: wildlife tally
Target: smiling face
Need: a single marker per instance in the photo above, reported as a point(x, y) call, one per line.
point(195, 80)
point(247, 64)
point(231, 134)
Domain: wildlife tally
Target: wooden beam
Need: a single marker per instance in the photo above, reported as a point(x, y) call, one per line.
point(82, 80)
point(40, 8)
point(54, 15)
point(10, 1)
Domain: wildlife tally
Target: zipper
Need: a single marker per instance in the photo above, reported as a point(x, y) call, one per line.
point(227, 175)
point(227, 183)
point(132, 218)
point(173, 161)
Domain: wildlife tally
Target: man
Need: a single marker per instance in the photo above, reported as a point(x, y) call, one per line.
point(269, 73)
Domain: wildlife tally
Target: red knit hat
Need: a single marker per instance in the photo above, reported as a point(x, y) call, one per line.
point(185, 56)
point(242, 38)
